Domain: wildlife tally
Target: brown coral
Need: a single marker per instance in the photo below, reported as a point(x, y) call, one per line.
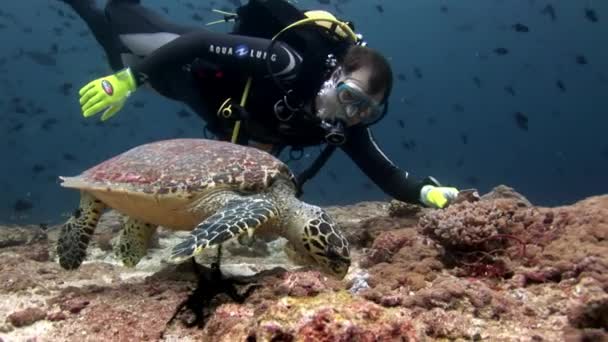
point(469, 225)
point(417, 287)
point(26, 317)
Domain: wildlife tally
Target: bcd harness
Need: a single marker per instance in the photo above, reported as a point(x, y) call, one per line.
point(290, 104)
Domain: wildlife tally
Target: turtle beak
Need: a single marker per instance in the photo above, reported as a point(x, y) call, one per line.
point(337, 264)
point(340, 270)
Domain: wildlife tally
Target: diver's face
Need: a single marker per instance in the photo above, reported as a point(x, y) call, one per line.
point(362, 78)
point(346, 97)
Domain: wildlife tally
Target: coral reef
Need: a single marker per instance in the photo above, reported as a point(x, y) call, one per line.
point(497, 269)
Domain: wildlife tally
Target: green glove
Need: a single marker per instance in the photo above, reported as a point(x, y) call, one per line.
point(109, 93)
point(437, 196)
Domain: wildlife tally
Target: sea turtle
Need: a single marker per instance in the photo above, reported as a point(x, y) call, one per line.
point(217, 190)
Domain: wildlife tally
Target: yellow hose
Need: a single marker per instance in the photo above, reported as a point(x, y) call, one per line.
point(237, 125)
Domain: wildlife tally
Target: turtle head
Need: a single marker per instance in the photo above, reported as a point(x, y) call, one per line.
point(320, 241)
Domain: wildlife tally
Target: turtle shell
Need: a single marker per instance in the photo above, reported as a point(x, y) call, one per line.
point(167, 175)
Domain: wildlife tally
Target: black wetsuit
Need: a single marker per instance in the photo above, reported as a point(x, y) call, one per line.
point(203, 68)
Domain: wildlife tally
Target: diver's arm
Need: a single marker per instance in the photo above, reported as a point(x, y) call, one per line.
point(238, 53)
point(363, 150)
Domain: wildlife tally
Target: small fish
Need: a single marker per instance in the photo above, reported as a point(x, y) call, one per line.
point(333, 176)
point(604, 152)
point(464, 138)
point(520, 28)
point(19, 109)
point(457, 108)
point(510, 90)
point(473, 180)
point(40, 58)
point(69, 157)
point(197, 17)
point(22, 205)
point(417, 72)
point(65, 88)
point(443, 9)
point(591, 15)
point(380, 9)
point(183, 113)
point(521, 120)
point(17, 127)
point(401, 123)
point(408, 144)
point(37, 168)
point(550, 11)
point(465, 28)
point(560, 85)
point(401, 77)
point(501, 51)
point(477, 82)
point(367, 186)
point(581, 59)
point(48, 123)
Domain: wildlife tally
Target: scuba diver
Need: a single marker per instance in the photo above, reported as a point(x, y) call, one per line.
point(283, 78)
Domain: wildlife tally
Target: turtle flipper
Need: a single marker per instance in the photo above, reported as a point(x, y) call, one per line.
point(133, 241)
point(77, 231)
point(237, 217)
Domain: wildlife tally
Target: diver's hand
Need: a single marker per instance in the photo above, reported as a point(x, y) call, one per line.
point(109, 93)
point(437, 196)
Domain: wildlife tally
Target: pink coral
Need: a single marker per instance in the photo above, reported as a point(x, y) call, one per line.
point(386, 245)
point(302, 284)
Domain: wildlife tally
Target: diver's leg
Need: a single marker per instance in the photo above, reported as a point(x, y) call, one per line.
point(97, 23)
point(140, 29)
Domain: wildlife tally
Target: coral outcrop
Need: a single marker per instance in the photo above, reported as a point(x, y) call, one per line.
point(496, 269)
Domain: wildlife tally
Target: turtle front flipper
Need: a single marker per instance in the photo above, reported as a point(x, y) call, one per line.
point(238, 216)
point(77, 231)
point(133, 241)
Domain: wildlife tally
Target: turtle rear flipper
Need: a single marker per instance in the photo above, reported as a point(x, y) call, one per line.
point(133, 241)
point(77, 231)
point(238, 216)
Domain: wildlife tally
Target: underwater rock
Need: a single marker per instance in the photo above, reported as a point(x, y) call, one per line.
point(497, 269)
point(303, 284)
point(386, 245)
point(26, 317)
point(505, 192)
point(326, 317)
point(17, 236)
point(403, 209)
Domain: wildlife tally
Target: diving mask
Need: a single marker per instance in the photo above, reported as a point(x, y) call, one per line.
point(342, 98)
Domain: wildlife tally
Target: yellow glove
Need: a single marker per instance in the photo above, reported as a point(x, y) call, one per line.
point(109, 93)
point(437, 196)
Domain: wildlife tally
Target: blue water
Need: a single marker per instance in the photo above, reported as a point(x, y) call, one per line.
point(561, 158)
